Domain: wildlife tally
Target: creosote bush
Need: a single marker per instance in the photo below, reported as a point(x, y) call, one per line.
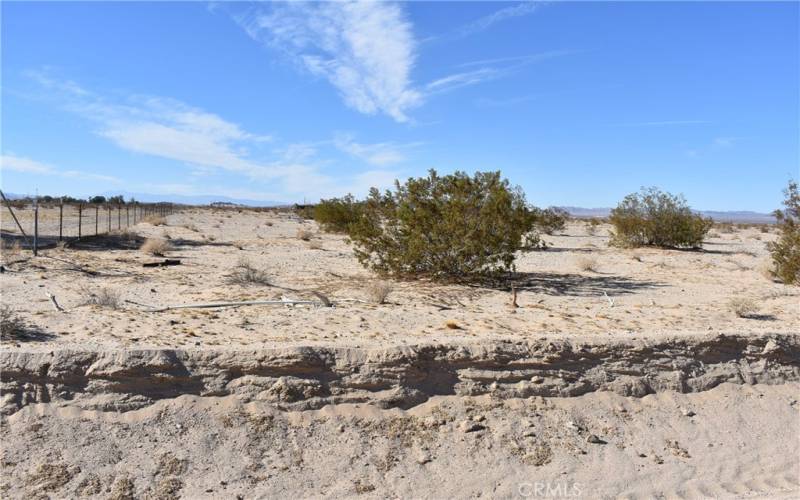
point(450, 227)
point(245, 273)
point(336, 215)
point(786, 250)
point(549, 220)
point(654, 218)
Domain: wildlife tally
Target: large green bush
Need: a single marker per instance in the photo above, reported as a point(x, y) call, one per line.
point(786, 251)
point(335, 215)
point(444, 227)
point(654, 218)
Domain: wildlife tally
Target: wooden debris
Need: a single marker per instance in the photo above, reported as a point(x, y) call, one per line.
point(163, 263)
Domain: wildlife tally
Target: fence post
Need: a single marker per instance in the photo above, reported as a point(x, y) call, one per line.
point(119, 217)
point(127, 215)
point(108, 208)
point(36, 226)
point(96, 220)
point(61, 221)
point(80, 218)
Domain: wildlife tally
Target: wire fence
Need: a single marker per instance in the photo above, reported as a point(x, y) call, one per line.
point(34, 226)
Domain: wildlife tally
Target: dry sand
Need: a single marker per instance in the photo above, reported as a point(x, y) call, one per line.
point(631, 380)
point(653, 291)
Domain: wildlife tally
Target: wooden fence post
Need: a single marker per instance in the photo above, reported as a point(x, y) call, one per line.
point(61, 221)
point(108, 209)
point(96, 220)
point(119, 217)
point(80, 218)
point(36, 226)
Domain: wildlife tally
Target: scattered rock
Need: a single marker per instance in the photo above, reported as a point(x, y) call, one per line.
point(591, 438)
point(468, 426)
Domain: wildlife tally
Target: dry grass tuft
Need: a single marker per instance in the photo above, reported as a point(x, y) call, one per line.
point(10, 324)
point(245, 273)
point(104, 297)
point(587, 264)
point(304, 234)
point(155, 220)
point(156, 246)
point(10, 250)
point(743, 307)
point(378, 291)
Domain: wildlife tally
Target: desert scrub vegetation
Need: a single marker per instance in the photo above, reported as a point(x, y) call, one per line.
point(336, 215)
point(743, 307)
point(587, 264)
point(104, 297)
point(378, 291)
point(450, 227)
point(156, 246)
point(245, 273)
point(10, 324)
point(655, 218)
point(156, 220)
point(549, 220)
point(785, 251)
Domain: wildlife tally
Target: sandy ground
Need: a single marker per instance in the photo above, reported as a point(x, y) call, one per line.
point(653, 291)
point(715, 444)
point(125, 422)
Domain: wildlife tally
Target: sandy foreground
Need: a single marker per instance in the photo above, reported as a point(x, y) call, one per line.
point(632, 379)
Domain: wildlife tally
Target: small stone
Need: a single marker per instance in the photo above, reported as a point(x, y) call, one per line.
point(424, 459)
point(478, 418)
point(591, 438)
point(468, 426)
point(689, 413)
point(537, 380)
point(341, 428)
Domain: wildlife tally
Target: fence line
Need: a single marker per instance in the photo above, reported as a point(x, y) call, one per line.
point(40, 225)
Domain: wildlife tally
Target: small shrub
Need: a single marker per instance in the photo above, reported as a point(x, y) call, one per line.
point(549, 220)
point(11, 325)
point(378, 291)
point(246, 273)
point(587, 264)
point(786, 250)
point(743, 307)
point(104, 297)
point(654, 218)
point(304, 234)
point(444, 227)
point(155, 220)
point(337, 214)
point(156, 246)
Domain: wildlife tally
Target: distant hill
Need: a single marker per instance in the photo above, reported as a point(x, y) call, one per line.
point(740, 216)
point(194, 199)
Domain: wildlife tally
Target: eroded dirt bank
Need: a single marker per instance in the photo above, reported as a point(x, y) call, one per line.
point(404, 376)
point(684, 417)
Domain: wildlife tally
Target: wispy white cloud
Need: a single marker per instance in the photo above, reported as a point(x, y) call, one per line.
point(364, 49)
point(380, 154)
point(486, 22)
point(14, 163)
point(208, 144)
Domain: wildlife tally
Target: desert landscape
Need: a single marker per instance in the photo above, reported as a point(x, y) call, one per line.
point(620, 373)
point(358, 249)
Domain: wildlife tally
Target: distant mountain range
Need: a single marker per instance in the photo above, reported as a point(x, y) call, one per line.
point(740, 216)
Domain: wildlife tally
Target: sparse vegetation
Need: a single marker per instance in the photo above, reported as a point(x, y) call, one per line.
point(549, 220)
point(786, 250)
point(654, 218)
point(587, 264)
point(245, 273)
point(336, 215)
point(743, 307)
point(104, 297)
point(378, 291)
point(10, 324)
point(156, 246)
point(444, 227)
point(155, 220)
point(304, 234)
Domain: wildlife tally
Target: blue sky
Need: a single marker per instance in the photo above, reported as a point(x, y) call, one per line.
point(579, 103)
